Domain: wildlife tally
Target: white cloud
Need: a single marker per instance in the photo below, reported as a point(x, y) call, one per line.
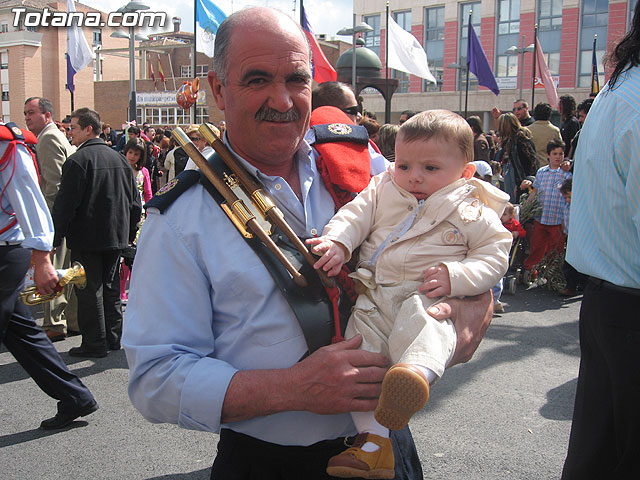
point(325, 16)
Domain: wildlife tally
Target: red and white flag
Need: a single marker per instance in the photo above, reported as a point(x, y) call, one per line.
point(545, 75)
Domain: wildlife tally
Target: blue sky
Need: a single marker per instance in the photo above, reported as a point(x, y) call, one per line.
point(325, 16)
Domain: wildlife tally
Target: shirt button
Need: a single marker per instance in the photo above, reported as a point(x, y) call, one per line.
point(313, 231)
point(277, 186)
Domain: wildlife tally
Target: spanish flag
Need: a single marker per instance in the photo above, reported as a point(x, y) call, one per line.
point(160, 71)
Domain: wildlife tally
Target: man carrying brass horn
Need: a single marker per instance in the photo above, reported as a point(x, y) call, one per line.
point(26, 234)
point(214, 345)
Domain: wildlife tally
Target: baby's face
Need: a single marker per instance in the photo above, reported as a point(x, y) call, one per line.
point(506, 216)
point(423, 167)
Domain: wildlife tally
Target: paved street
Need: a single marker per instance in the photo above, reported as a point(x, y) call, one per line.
point(504, 415)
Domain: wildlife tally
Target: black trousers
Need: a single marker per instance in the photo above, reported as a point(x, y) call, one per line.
point(27, 342)
point(241, 457)
point(99, 307)
point(605, 433)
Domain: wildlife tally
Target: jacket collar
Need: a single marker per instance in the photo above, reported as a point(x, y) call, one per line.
point(93, 141)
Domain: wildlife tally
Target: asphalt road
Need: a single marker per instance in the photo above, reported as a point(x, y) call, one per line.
point(504, 415)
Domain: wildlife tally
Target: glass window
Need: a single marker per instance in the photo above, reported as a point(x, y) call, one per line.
point(550, 32)
point(434, 46)
point(5, 96)
point(372, 39)
point(185, 71)
point(97, 37)
point(595, 17)
point(507, 36)
point(404, 20)
point(462, 52)
point(4, 28)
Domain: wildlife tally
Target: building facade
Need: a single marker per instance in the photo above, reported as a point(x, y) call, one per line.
point(566, 30)
point(33, 62)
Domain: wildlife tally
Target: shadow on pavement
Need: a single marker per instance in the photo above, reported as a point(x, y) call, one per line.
point(203, 474)
point(36, 433)
point(560, 400)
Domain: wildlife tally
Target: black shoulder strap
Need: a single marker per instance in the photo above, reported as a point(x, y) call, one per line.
point(310, 304)
point(173, 189)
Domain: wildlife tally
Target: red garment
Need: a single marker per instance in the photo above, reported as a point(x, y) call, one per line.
point(514, 225)
point(544, 239)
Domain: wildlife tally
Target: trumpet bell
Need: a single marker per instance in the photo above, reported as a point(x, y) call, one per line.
point(75, 275)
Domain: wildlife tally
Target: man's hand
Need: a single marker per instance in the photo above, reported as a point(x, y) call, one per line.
point(333, 255)
point(566, 165)
point(471, 316)
point(334, 379)
point(496, 112)
point(339, 379)
point(44, 274)
point(436, 282)
point(526, 184)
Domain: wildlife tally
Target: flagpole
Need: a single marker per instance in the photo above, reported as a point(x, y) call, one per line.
point(594, 69)
point(535, 56)
point(173, 76)
point(192, 113)
point(301, 12)
point(387, 106)
point(466, 90)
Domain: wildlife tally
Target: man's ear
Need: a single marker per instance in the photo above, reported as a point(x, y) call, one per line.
point(469, 170)
point(216, 87)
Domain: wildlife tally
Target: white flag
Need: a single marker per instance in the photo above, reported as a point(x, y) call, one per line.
point(208, 18)
point(545, 75)
point(406, 54)
point(80, 54)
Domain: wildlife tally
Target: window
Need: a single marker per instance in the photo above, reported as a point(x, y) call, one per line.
point(632, 8)
point(462, 41)
point(97, 37)
point(595, 17)
point(32, 29)
point(550, 32)
point(4, 28)
point(5, 96)
point(508, 36)
point(201, 70)
point(404, 20)
point(372, 39)
point(434, 46)
point(172, 115)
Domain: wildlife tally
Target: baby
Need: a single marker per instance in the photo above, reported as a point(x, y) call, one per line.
point(426, 230)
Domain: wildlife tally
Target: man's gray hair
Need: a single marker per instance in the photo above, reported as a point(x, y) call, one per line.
point(223, 39)
point(44, 104)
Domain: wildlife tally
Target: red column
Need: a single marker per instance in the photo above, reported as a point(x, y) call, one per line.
point(415, 83)
point(450, 55)
point(527, 28)
point(616, 29)
point(569, 48)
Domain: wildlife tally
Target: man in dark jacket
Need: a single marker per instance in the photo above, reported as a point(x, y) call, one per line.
point(97, 210)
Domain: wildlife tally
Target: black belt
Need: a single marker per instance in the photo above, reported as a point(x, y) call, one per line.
point(616, 288)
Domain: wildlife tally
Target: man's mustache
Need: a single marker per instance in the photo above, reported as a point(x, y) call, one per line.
point(271, 115)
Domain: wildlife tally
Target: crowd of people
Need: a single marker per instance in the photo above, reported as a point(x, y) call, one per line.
point(432, 204)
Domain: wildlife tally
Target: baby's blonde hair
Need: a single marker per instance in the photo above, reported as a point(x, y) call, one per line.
point(441, 124)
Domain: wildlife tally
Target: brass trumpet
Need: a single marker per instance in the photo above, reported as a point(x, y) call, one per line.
point(70, 276)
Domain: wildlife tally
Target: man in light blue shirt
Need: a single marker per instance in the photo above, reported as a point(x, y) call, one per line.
point(214, 345)
point(26, 233)
point(603, 244)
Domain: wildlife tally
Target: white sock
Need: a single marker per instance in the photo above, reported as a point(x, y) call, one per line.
point(365, 422)
point(430, 374)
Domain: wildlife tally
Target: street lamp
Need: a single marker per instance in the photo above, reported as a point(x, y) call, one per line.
point(463, 69)
point(513, 50)
point(132, 6)
point(360, 28)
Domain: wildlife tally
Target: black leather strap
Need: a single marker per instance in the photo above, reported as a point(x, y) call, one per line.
point(310, 304)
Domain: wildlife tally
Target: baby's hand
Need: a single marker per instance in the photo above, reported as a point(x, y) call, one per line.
point(333, 255)
point(436, 282)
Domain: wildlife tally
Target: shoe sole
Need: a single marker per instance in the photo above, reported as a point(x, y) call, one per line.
point(347, 472)
point(404, 392)
point(88, 354)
